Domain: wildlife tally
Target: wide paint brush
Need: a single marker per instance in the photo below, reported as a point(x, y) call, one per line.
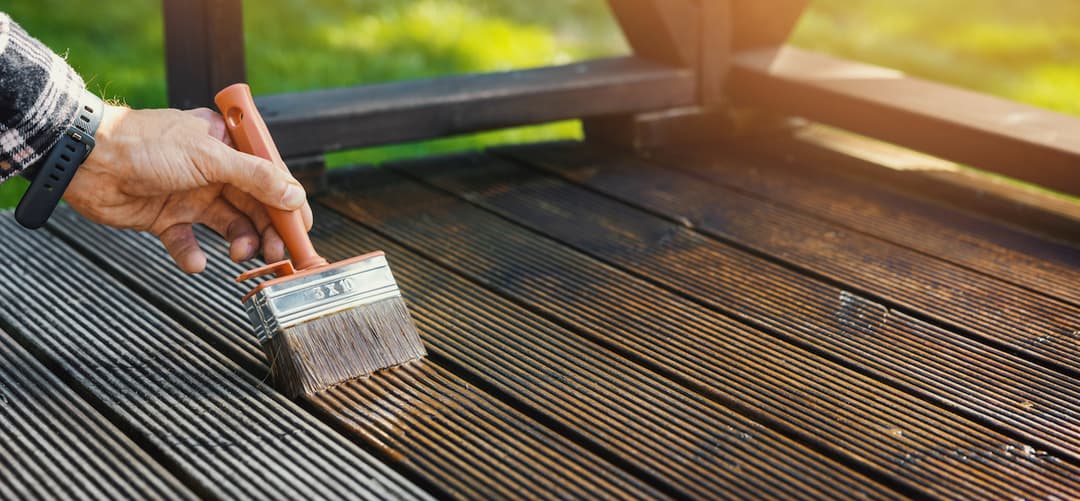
point(320, 324)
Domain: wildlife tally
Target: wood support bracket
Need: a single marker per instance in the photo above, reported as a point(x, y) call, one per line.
point(701, 35)
point(691, 125)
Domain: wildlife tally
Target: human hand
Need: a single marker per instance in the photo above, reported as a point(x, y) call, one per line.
point(163, 170)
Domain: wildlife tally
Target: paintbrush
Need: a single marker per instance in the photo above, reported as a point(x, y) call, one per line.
point(320, 324)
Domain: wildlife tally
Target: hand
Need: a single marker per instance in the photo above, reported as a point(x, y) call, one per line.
point(163, 170)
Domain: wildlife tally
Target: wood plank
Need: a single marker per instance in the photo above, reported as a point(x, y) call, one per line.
point(53, 444)
point(328, 120)
point(982, 307)
point(1016, 140)
point(920, 176)
point(840, 412)
point(704, 450)
point(979, 244)
point(213, 425)
point(204, 49)
point(437, 426)
point(1015, 396)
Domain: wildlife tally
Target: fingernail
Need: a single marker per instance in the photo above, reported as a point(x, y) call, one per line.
point(294, 197)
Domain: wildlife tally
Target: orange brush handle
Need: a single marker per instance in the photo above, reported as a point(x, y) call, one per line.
point(250, 134)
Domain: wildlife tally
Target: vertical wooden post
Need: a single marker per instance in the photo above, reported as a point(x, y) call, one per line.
point(204, 53)
point(204, 49)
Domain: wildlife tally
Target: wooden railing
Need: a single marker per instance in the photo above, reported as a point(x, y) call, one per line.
point(992, 134)
point(694, 57)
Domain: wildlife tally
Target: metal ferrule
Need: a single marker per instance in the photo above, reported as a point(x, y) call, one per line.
point(308, 297)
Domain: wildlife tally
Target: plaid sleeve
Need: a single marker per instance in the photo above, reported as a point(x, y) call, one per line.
point(39, 94)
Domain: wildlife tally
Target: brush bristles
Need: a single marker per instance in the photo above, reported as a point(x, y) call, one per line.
point(320, 353)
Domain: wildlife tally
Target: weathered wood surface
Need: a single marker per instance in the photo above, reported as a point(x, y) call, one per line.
point(606, 325)
point(54, 445)
point(442, 430)
point(221, 431)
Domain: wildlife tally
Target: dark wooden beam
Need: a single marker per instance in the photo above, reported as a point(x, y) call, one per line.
point(328, 120)
point(204, 49)
point(986, 132)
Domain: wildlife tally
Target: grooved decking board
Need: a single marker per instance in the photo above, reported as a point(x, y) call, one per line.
point(706, 451)
point(672, 437)
point(220, 430)
point(420, 416)
point(53, 444)
point(1045, 329)
point(966, 240)
point(979, 244)
point(839, 411)
point(1027, 400)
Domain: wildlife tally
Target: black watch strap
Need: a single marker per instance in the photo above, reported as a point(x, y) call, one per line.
point(53, 176)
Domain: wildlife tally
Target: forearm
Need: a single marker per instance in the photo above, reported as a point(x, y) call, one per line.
point(39, 94)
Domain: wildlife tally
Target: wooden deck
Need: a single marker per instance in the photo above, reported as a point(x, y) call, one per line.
point(694, 325)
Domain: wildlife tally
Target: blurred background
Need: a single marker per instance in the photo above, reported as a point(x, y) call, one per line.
point(1025, 51)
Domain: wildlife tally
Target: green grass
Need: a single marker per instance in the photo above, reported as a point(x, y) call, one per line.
point(1019, 50)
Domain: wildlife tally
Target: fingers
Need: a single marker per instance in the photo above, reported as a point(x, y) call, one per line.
point(234, 226)
point(309, 220)
point(255, 176)
point(273, 246)
point(180, 241)
point(217, 124)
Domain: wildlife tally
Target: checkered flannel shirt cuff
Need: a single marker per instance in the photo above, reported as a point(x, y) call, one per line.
point(39, 96)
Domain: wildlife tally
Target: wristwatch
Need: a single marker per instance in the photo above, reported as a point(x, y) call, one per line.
point(50, 180)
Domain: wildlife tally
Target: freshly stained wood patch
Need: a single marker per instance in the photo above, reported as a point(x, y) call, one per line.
point(670, 436)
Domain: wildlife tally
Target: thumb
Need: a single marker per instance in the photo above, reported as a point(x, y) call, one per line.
point(256, 176)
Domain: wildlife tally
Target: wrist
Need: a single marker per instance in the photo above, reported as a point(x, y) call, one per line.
point(55, 174)
point(108, 136)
